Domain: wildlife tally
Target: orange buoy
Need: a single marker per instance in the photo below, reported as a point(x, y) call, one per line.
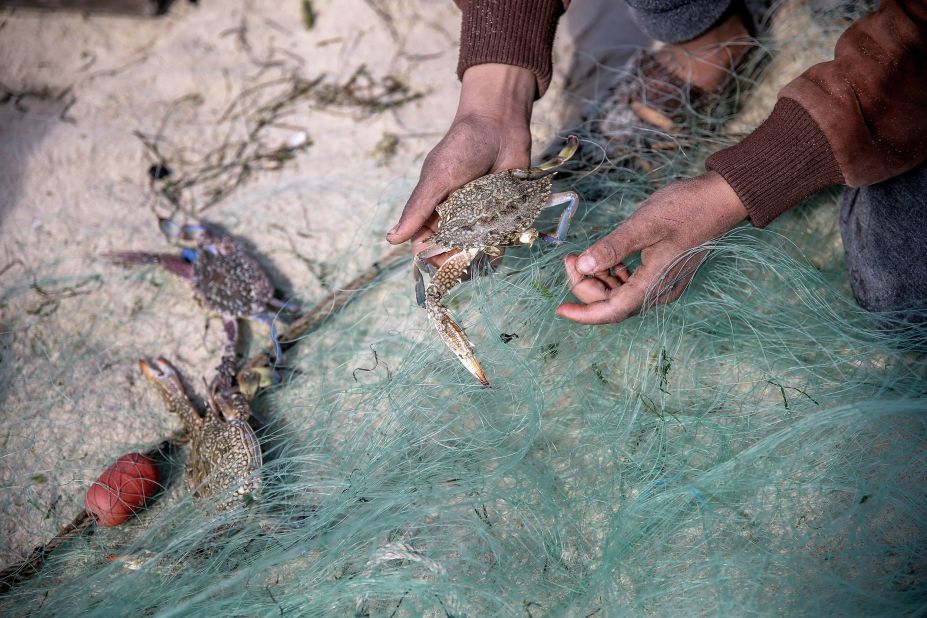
point(122, 490)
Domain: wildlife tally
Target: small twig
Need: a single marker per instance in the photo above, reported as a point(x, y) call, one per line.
point(376, 363)
point(785, 400)
point(386, 18)
point(15, 262)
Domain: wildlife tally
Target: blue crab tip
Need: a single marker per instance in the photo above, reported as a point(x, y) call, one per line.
point(169, 228)
point(189, 254)
point(278, 349)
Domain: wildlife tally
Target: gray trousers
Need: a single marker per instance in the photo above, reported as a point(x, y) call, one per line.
point(884, 230)
point(675, 21)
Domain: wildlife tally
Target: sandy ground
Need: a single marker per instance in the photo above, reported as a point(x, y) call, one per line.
point(74, 185)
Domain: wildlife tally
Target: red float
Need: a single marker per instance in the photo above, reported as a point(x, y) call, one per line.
point(122, 490)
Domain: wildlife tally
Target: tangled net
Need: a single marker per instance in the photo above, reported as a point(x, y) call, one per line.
point(754, 448)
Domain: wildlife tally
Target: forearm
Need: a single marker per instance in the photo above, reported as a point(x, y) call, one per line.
point(858, 119)
point(512, 32)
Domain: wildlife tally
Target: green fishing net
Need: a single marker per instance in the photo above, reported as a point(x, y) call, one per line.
point(756, 448)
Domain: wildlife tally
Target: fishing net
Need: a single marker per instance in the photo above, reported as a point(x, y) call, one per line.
point(755, 448)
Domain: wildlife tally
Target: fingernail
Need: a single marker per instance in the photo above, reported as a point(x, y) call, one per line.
point(393, 231)
point(585, 264)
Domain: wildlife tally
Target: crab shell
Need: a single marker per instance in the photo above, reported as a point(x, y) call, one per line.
point(491, 211)
point(228, 280)
point(223, 455)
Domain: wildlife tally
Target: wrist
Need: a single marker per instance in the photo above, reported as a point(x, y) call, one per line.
point(730, 209)
point(501, 91)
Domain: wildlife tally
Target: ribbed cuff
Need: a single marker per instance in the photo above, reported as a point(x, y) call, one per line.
point(786, 159)
point(516, 32)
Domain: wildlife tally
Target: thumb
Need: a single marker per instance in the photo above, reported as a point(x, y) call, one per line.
point(624, 240)
point(430, 191)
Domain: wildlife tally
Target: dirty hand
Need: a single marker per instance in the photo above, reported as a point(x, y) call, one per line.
point(673, 221)
point(489, 133)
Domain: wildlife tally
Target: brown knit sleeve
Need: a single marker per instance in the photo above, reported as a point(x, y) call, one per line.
point(786, 159)
point(858, 119)
point(516, 32)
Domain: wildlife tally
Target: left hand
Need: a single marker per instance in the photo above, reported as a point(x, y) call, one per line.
point(675, 219)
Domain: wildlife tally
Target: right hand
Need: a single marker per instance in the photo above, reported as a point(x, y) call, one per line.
point(674, 222)
point(489, 133)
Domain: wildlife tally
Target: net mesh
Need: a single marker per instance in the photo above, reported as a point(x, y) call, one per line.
point(754, 448)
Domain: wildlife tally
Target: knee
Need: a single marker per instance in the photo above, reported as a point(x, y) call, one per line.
point(884, 230)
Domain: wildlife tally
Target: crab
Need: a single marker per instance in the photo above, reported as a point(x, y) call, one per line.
point(226, 280)
point(225, 454)
point(481, 218)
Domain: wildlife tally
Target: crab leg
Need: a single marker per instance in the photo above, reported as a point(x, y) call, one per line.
point(165, 378)
point(429, 252)
point(549, 167)
point(230, 325)
point(281, 306)
point(419, 282)
point(449, 275)
point(419, 265)
point(571, 199)
point(172, 263)
point(176, 233)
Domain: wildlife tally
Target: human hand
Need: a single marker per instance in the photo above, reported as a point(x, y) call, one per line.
point(675, 219)
point(490, 132)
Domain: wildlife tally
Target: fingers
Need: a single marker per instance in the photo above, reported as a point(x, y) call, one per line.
point(668, 230)
point(422, 235)
point(622, 273)
point(611, 305)
point(612, 293)
point(421, 241)
point(590, 289)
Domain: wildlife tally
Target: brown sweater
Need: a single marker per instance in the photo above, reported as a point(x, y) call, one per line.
point(857, 120)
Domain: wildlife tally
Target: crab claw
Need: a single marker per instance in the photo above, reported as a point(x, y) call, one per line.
point(163, 375)
point(474, 368)
point(161, 372)
point(177, 264)
point(549, 167)
point(152, 373)
point(252, 379)
point(460, 345)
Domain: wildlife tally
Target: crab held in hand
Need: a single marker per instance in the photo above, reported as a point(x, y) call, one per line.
point(225, 455)
point(225, 279)
point(483, 217)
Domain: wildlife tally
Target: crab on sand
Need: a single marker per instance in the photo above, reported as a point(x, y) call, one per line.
point(225, 455)
point(225, 279)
